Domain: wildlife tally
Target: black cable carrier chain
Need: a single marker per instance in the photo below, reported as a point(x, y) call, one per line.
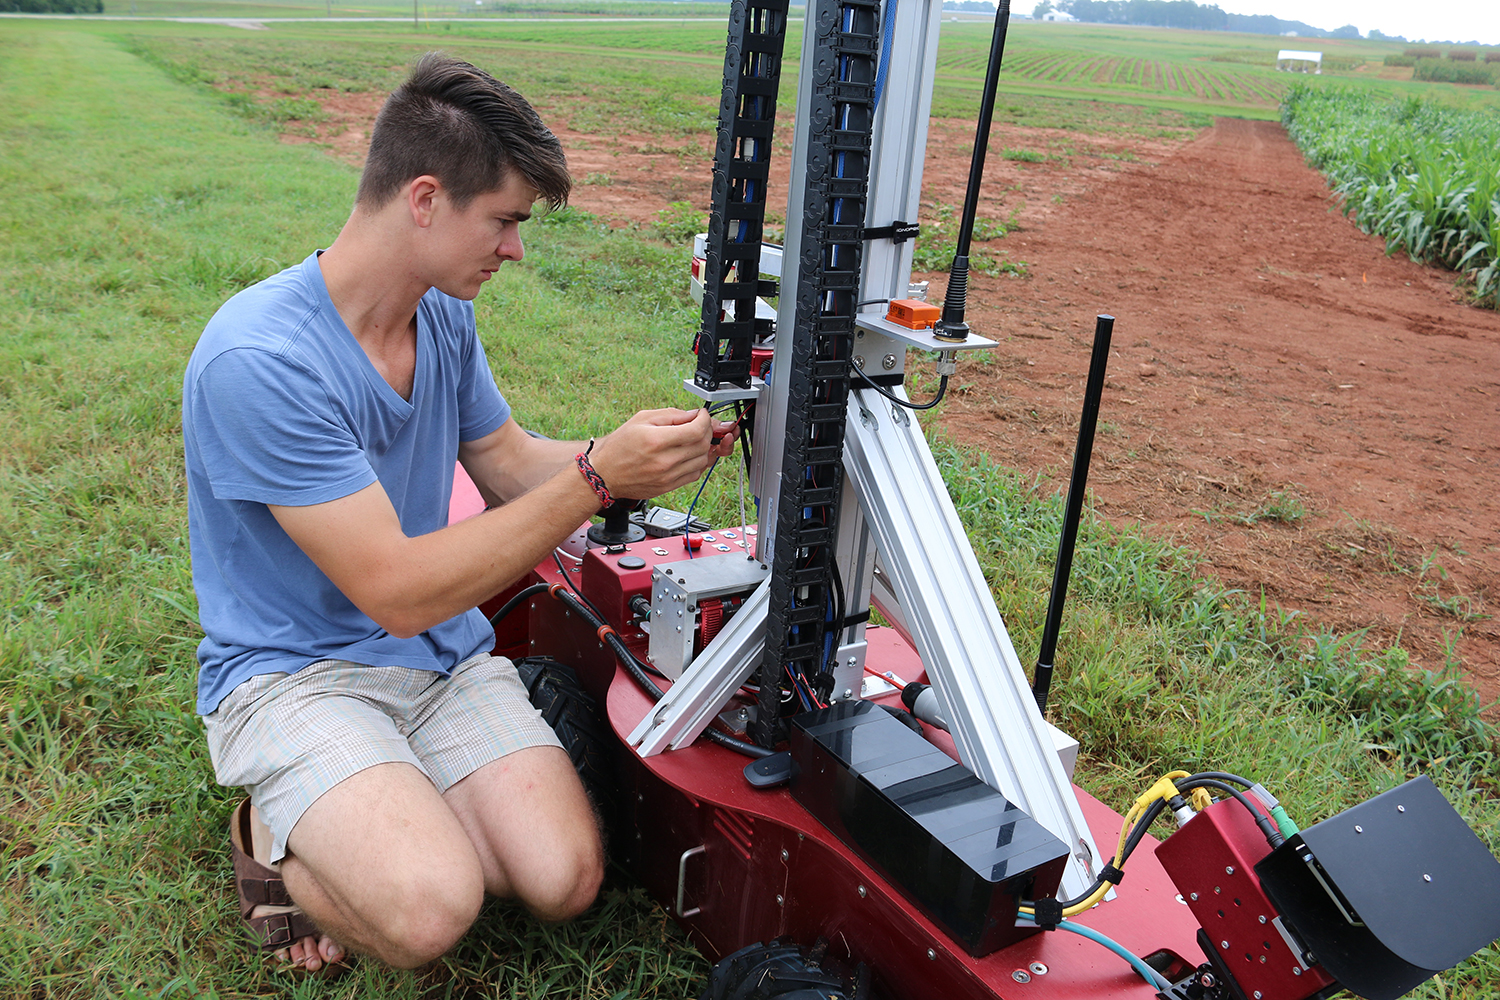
point(840, 120)
point(742, 161)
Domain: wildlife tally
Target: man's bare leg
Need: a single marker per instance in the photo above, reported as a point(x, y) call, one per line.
point(382, 865)
point(312, 953)
point(534, 831)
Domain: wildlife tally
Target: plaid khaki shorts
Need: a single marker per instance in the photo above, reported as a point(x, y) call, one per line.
point(288, 738)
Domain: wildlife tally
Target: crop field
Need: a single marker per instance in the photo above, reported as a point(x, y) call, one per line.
point(1424, 177)
point(166, 166)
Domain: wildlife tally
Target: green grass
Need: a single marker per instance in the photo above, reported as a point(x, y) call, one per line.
point(148, 199)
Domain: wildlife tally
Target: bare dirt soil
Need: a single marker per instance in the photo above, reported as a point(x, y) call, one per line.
point(1320, 421)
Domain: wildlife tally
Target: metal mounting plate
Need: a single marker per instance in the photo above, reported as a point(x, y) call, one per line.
point(922, 340)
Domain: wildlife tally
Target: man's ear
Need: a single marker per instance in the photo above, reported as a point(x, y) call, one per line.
point(422, 194)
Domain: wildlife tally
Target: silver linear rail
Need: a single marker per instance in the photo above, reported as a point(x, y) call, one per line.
point(957, 630)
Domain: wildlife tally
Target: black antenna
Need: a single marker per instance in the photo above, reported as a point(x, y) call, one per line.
point(955, 301)
point(1103, 327)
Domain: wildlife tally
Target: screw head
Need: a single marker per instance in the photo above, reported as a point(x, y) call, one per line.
point(785, 854)
point(1207, 980)
point(1021, 976)
point(931, 955)
point(1229, 869)
point(1296, 970)
point(862, 892)
point(1192, 895)
point(1222, 944)
point(1258, 995)
point(1358, 828)
point(1262, 918)
point(1426, 878)
point(1401, 809)
point(888, 362)
point(1038, 968)
point(780, 901)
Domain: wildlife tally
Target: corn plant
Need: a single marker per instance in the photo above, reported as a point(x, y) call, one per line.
point(1424, 176)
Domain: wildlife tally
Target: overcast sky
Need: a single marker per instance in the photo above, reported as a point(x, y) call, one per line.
point(1448, 20)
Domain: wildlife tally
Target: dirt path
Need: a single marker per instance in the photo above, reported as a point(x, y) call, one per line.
point(1266, 355)
point(1320, 421)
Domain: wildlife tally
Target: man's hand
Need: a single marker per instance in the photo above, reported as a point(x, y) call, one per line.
point(656, 451)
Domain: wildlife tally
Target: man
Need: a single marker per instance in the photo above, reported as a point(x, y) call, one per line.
point(396, 770)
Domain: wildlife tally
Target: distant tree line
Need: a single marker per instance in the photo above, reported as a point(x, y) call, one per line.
point(52, 6)
point(1187, 14)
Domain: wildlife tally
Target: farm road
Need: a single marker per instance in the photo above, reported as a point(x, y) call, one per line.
point(1266, 353)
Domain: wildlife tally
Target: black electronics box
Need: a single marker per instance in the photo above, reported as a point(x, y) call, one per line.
point(956, 847)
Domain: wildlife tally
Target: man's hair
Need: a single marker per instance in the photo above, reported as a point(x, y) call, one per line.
point(473, 133)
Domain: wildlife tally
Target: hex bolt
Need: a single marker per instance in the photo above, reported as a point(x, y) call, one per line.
point(1021, 976)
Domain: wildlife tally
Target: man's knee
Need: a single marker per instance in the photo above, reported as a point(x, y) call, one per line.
point(573, 885)
point(427, 917)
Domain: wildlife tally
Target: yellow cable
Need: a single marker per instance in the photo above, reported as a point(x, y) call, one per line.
point(1163, 789)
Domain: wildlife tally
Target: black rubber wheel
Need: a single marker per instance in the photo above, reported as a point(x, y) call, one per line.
point(782, 971)
point(580, 726)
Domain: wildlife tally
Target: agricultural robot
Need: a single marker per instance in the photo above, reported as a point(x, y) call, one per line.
point(835, 809)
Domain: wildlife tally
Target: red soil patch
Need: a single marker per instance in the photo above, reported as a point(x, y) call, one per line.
point(1264, 349)
point(1266, 352)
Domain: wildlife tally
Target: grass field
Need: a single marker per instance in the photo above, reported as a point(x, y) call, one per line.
point(149, 197)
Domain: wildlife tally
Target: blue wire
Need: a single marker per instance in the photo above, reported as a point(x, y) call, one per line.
point(889, 34)
point(1147, 973)
point(689, 519)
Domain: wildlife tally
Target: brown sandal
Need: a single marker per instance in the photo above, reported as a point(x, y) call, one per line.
point(261, 885)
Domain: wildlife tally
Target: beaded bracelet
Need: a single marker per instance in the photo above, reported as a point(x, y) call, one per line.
point(595, 481)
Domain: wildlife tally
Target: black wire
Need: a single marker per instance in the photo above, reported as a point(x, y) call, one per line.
point(636, 669)
point(574, 587)
point(942, 388)
point(1222, 776)
point(1272, 835)
point(516, 601)
point(842, 603)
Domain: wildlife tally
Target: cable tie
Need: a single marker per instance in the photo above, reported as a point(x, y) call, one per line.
point(1048, 912)
point(1110, 873)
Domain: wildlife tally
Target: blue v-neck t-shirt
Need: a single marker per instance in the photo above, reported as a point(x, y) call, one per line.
point(280, 405)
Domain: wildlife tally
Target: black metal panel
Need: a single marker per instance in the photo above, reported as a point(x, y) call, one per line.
point(1389, 892)
point(956, 847)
